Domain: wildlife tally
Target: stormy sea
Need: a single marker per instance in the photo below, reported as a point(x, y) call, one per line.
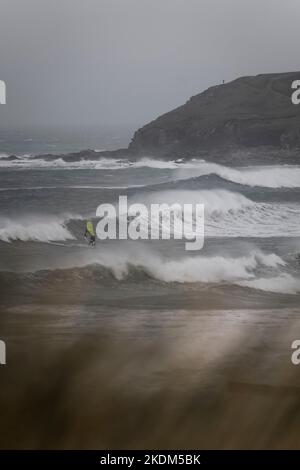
point(143, 344)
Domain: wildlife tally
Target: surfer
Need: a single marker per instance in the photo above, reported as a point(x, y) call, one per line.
point(90, 233)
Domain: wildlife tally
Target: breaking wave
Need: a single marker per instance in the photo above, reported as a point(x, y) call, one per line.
point(231, 214)
point(211, 269)
point(29, 162)
point(189, 269)
point(256, 270)
point(282, 284)
point(243, 271)
point(284, 176)
point(281, 176)
point(227, 214)
point(36, 228)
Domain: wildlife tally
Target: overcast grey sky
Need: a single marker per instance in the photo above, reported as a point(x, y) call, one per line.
point(118, 62)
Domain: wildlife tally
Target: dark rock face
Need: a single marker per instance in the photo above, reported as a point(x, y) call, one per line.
point(245, 113)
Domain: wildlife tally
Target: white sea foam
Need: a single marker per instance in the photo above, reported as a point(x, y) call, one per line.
point(280, 176)
point(207, 269)
point(283, 284)
point(283, 176)
point(36, 228)
point(241, 271)
point(229, 214)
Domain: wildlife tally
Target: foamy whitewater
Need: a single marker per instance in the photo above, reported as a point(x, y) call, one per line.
point(267, 176)
point(40, 228)
point(252, 223)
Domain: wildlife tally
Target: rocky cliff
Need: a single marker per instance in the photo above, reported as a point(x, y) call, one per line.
point(245, 113)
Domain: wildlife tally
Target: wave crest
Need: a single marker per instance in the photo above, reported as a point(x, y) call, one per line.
point(280, 176)
point(35, 228)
